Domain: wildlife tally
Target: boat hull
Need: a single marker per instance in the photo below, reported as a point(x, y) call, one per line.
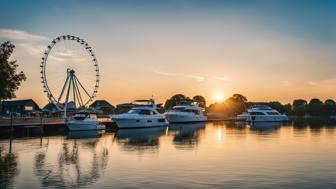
point(84, 126)
point(185, 118)
point(124, 123)
point(261, 118)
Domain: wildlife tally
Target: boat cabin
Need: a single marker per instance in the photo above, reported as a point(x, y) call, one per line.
point(84, 115)
point(191, 109)
point(262, 110)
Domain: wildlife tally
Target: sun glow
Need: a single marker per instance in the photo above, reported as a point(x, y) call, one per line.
point(219, 97)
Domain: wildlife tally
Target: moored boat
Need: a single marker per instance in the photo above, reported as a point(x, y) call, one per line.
point(185, 112)
point(261, 113)
point(140, 116)
point(84, 121)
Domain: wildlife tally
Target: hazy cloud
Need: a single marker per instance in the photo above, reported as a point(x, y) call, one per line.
point(20, 35)
point(195, 77)
point(223, 78)
point(32, 49)
point(286, 83)
point(312, 83)
point(198, 78)
point(164, 73)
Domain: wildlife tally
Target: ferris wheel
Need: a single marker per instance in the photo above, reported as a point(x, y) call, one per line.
point(69, 73)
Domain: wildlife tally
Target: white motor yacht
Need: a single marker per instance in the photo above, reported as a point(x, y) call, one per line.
point(261, 113)
point(84, 121)
point(141, 116)
point(186, 112)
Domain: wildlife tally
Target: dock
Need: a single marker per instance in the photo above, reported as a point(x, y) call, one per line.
point(51, 121)
point(57, 124)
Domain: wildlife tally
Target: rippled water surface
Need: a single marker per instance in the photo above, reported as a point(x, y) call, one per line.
point(211, 155)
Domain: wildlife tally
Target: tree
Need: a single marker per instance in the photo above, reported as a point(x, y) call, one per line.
point(277, 106)
point(299, 102)
point(239, 98)
point(10, 80)
point(315, 107)
point(174, 100)
point(299, 107)
point(232, 106)
point(330, 102)
point(329, 107)
point(200, 100)
point(287, 108)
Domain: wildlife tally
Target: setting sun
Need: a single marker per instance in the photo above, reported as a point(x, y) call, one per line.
point(219, 97)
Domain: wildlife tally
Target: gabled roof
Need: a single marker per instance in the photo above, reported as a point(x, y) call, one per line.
point(49, 106)
point(101, 103)
point(126, 105)
point(15, 103)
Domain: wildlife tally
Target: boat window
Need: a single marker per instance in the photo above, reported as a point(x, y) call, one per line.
point(177, 109)
point(272, 113)
point(134, 111)
point(257, 113)
point(145, 112)
point(193, 111)
point(80, 116)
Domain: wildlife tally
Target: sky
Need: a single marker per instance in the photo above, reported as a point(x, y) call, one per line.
point(266, 50)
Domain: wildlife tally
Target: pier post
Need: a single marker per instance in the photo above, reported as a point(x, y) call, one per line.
point(11, 123)
point(41, 123)
point(12, 131)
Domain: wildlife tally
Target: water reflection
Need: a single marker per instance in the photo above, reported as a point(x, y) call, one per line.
point(226, 152)
point(85, 134)
point(78, 163)
point(142, 139)
point(187, 136)
point(260, 128)
point(265, 126)
point(315, 125)
point(8, 168)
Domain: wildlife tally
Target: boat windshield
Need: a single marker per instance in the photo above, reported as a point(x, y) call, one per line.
point(142, 112)
point(80, 116)
point(192, 111)
point(187, 103)
point(272, 113)
point(133, 111)
point(257, 113)
point(179, 109)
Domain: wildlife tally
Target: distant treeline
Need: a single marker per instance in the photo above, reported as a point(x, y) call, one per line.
point(299, 107)
point(238, 103)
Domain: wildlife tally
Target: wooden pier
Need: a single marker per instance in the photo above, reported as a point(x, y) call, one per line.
point(56, 124)
point(52, 121)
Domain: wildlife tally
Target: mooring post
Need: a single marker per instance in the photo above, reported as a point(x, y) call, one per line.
point(11, 122)
point(11, 135)
point(41, 123)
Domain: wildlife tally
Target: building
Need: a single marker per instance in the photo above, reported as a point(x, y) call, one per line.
point(20, 107)
point(123, 108)
point(102, 106)
point(51, 109)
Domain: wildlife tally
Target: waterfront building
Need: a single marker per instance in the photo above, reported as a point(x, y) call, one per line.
point(20, 107)
point(102, 106)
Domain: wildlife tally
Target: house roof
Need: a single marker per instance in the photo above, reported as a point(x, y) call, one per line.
point(101, 103)
point(15, 103)
point(127, 105)
point(49, 106)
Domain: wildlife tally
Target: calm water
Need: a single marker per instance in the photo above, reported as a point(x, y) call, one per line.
point(212, 155)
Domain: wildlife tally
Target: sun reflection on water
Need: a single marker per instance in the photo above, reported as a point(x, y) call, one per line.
point(192, 155)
